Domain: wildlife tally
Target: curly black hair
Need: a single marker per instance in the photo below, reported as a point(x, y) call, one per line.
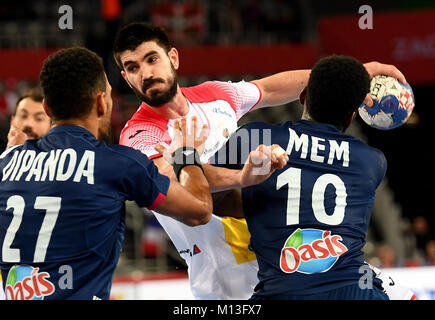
point(70, 79)
point(134, 34)
point(336, 88)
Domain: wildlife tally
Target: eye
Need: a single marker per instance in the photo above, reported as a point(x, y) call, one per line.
point(132, 69)
point(152, 59)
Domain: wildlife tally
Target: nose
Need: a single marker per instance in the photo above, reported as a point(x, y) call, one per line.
point(146, 72)
point(28, 123)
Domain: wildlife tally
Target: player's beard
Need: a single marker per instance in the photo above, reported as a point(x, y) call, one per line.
point(156, 97)
point(105, 135)
point(105, 128)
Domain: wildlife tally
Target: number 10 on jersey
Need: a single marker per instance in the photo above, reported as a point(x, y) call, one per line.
point(292, 178)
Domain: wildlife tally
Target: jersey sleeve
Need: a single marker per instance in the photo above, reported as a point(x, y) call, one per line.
point(144, 137)
point(142, 181)
point(242, 96)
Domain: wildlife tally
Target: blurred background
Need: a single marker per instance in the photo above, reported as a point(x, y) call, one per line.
point(250, 39)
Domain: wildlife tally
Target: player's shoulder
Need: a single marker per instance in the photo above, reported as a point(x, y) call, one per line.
point(144, 123)
point(126, 155)
point(261, 125)
point(363, 145)
point(212, 90)
point(206, 92)
point(146, 117)
point(9, 150)
point(377, 155)
point(365, 153)
point(125, 152)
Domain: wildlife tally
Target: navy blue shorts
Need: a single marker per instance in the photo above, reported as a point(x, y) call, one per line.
point(350, 292)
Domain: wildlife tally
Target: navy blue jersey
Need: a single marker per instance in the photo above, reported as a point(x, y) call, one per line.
point(62, 213)
point(308, 221)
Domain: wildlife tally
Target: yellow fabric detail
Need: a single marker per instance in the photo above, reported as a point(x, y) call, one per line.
point(238, 237)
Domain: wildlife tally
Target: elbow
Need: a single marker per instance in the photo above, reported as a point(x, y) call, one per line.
point(202, 217)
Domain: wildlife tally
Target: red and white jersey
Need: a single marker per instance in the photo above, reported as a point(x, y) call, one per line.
point(220, 265)
point(218, 104)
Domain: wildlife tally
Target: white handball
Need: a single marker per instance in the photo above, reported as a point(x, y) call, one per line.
point(393, 103)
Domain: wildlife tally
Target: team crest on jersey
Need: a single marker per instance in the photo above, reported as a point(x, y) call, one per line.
point(226, 133)
point(27, 283)
point(311, 251)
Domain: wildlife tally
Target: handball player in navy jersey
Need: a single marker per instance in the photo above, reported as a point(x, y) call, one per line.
point(309, 220)
point(62, 196)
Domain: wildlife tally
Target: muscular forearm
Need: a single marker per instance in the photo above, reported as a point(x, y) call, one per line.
point(221, 179)
point(282, 88)
point(194, 181)
point(228, 203)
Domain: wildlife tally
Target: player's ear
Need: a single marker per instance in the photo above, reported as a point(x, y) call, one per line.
point(173, 56)
point(350, 119)
point(124, 75)
point(101, 104)
point(46, 109)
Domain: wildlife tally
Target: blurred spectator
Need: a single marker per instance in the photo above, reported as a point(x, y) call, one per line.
point(29, 117)
point(430, 253)
point(386, 256)
point(184, 21)
point(421, 229)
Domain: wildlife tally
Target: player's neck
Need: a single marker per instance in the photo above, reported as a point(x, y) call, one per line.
point(306, 116)
point(90, 125)
point(178, 107)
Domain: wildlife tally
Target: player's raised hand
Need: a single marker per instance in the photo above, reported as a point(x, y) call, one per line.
point(261, 163)
point(185, 135)
point(375, 68)
point(15, 137)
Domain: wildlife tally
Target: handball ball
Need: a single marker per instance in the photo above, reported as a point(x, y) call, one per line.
point(393, 103)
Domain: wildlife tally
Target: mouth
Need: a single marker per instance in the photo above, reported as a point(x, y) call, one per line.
point(31, 136)
point(151, 86)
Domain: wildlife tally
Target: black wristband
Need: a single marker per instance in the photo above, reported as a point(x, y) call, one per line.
point(185, 156)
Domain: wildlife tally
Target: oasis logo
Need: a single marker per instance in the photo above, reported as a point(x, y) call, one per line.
point(311, 251)
point(27, 283)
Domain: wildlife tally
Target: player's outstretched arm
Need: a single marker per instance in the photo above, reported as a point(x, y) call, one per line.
point(285, 87)
point(259, 166)
point(281, 88)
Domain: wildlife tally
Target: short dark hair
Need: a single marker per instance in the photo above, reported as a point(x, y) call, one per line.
point(134, 34)
point(70, 79)
point(33, 93)
point(336, 88)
